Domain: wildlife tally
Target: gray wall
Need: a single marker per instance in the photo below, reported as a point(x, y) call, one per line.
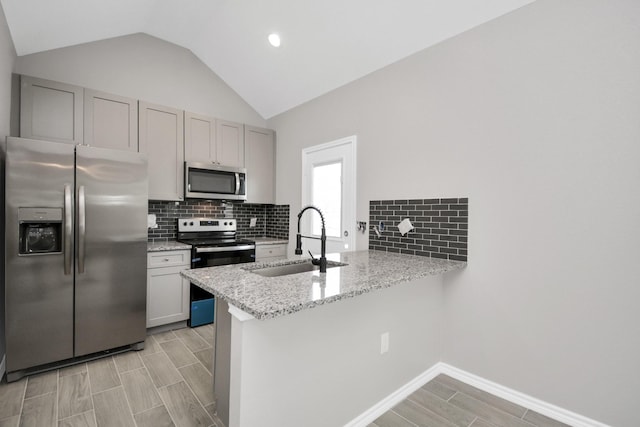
point(326, 361)
point(145, 68)
point(535, 117)
point(7, 59)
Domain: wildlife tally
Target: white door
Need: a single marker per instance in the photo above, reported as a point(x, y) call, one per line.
point(329, 183)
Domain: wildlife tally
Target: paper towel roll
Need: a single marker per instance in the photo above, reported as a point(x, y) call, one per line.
point(405, 226)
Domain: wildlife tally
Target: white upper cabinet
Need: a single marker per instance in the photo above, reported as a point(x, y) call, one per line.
point(50, 110)
point(162, 138)
point(230, 150)
point(213, 141)
point(110, 121)
point(199, 138)
point(61, 112)
point(260, 164)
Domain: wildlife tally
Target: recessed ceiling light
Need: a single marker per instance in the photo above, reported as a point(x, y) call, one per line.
point(274, 39)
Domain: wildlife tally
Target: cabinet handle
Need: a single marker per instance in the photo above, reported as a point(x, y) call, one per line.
point(166, 260)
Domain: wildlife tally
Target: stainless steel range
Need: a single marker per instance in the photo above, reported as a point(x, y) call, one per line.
point(214, 242)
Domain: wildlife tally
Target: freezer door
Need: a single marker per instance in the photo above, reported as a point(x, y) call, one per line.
point(111, 256)
point(39, 295)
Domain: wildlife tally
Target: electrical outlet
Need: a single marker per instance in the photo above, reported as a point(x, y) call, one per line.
point(384, 343)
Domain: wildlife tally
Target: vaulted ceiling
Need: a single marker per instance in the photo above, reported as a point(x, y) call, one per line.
point(325, 43)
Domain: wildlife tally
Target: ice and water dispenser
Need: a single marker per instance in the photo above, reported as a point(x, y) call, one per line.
point(40, 230)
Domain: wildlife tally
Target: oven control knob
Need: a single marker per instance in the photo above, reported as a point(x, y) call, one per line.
point(231, 223)
point(191, 223)
point(184, 223)
point(225, 223)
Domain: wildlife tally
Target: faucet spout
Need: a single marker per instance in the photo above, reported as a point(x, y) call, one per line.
point(322, 262)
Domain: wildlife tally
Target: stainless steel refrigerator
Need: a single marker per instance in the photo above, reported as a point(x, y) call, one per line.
point(75, 252)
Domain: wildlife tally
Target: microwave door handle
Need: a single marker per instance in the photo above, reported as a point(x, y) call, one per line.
point(68, 229)
point(237, 183)
point(82, 228)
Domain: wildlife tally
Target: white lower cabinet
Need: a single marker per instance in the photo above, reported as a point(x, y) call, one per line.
point(274, 252)
point(167, 290)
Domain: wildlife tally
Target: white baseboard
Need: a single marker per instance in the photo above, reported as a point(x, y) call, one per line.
point(2, 367)
point(513, 396)
point(394, 398)
point(544, 408)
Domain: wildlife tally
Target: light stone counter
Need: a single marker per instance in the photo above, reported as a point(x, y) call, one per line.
point(269, 297)
point(167, 246)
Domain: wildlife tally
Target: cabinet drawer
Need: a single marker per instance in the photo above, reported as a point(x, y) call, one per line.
point(168, 258)
point(270, 251)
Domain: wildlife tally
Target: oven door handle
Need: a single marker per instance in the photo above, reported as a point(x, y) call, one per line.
point(225, 249)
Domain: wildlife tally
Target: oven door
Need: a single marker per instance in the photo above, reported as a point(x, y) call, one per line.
point(212, 256)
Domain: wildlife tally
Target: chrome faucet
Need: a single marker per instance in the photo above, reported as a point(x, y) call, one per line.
point(322, 262)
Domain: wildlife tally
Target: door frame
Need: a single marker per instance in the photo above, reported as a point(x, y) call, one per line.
point(349, 184)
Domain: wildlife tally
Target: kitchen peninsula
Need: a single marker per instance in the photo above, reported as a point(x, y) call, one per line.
point(325, 357)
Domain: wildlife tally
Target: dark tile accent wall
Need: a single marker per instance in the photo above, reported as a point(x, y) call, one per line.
point(273, 220)
point(440, 227)
point(167, 213)
point(243, 214)
point(277, 222)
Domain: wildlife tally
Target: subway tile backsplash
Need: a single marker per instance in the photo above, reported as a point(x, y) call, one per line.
point(440, 227)
point(277, 221)
point(272, 220)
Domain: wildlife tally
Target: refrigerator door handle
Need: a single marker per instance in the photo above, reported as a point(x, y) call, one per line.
point(82, 228)
point(68, 229)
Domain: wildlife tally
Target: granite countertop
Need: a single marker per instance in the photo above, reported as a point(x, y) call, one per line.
point(268, 241)
point(167, 246)
point(269, 297)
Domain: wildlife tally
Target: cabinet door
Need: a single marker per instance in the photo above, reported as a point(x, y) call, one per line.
point(260, 164)
point(50, 110)
point(271, 252)
point(110, 121)
point(199, 138)
point(167, 296)
point(230, 143)
point(162, 139)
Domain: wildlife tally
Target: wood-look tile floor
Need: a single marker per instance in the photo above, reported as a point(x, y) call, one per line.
point(446, 402)
point(169, 383)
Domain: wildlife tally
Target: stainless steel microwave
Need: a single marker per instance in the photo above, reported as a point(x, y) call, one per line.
point(209, 181)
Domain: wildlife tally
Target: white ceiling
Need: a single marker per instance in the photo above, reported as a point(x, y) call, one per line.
point(325, 43)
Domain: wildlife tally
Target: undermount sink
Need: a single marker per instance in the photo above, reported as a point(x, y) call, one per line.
point(286, 269)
